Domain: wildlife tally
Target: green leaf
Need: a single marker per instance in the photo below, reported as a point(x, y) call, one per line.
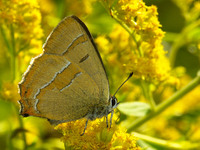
point(136, 109)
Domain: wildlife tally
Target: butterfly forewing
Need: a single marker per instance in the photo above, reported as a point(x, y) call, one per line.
point(68, 79)
point(79, 48)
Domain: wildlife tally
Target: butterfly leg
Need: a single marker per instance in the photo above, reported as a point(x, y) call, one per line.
point(85, 127)
point(111, 118)
point(107, 121)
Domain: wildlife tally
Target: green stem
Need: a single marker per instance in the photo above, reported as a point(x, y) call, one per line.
point(22, 127)
point(165, 104)
point(148, 94)
point(23, 48)
point(6, 40)
point(186, 145)
point(13, 67)
point(151, 99)
point(181, 40)
point(9, 143)
point(13, 55)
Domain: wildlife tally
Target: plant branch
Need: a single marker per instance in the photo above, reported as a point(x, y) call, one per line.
point(165, 104)
point(186, 145)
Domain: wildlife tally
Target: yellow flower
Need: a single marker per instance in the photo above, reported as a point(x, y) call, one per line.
point(97, 136)
point(21, 32)
point(195, 130)
point(9, 91)
point(120, 50)
point(46, 7)
point(140, 49)
point(20, 19)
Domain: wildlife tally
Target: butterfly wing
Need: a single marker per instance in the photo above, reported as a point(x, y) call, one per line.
point(68, 79)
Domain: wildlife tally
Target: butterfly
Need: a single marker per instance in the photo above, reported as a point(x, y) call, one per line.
point(68, 80)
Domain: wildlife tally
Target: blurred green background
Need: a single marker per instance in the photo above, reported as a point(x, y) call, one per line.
point(40, 135)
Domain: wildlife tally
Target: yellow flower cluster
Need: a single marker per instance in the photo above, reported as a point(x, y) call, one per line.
point(21, 32)
point(21, 18)
point(141, 49)
point(118, 49)
point(97, 136)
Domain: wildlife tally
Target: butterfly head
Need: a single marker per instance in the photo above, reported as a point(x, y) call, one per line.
point(113, 103)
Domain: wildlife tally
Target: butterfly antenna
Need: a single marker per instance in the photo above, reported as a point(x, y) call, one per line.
point(130, 75)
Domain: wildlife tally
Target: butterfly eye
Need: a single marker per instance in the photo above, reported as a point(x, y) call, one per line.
point(114, 102)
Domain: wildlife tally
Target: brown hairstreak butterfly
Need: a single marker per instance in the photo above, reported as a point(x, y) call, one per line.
point(68, 80)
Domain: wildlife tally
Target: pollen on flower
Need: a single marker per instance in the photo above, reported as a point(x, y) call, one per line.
point(97, 135)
